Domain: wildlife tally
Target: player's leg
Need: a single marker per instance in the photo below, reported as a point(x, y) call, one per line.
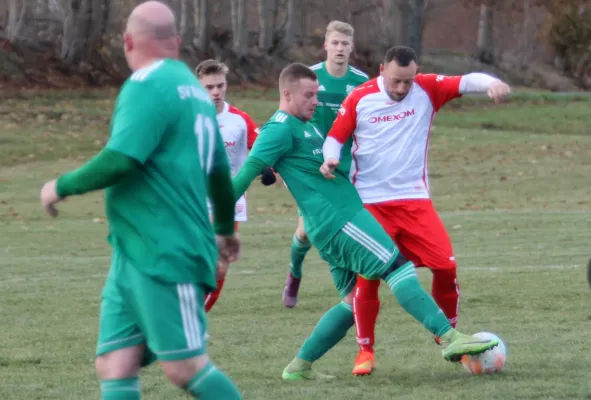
point(299, 248)
point(376, 255)
point(330, 329)
point(173, 319)
point(120, 344)
point(366, 303)
point(425, 237)
point(212, 297)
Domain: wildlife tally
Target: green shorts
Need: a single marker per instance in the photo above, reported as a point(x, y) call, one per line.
point(361, 247)
point(168, 318)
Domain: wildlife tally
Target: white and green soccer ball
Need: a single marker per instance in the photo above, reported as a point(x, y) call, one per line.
point(490, 361)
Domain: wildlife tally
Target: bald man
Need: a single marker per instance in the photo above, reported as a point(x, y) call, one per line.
point(164, 156)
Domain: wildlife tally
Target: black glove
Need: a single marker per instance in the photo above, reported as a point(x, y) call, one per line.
point(268, 176)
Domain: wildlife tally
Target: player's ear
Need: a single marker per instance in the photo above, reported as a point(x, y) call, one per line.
point(127, 42)
point(381, 69)
point(286, 94)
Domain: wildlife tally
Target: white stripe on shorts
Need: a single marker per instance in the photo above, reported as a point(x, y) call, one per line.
point(367, 241)
point(188, 304)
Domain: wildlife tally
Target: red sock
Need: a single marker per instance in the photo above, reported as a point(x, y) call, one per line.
point(366, 306)
point(212, 297)
point(446, 293)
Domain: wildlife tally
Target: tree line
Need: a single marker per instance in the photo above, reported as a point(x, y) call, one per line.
point(86, 34)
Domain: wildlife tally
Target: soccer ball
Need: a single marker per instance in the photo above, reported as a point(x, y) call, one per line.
point(490, 361)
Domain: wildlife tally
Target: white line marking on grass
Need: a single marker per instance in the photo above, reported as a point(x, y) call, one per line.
point(520, 268)
point(41, 278)
point(54, 277)
point(524, 211)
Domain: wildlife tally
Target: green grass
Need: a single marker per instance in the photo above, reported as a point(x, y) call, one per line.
point(511, 183)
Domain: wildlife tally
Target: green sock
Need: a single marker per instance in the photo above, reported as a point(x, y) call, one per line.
point(298, 252)
point(331, 328)
point(120, 389)
point(416, 301)
point(211, 384)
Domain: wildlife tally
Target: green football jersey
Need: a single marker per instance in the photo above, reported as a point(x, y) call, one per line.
point(158, 216)
point(331, 94)
point(294, 149)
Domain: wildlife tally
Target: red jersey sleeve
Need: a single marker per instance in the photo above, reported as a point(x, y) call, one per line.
point(346, 121)
point(440, 88)
point(252, 130)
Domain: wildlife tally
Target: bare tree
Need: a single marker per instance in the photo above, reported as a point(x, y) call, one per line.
point(239, 27)
point(187, 22)
point(267, 9)
point(416, 25)
point(290, 26)
point(485, 51)
point(17, 11)
point(203, 25)
point(84, 24)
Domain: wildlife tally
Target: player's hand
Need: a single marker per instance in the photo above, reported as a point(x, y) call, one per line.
point(221, 269)
point(328, 168)
point(228, 247)
point(498, 90)
point(268, 176)
point(49, 198)
point(278, 180)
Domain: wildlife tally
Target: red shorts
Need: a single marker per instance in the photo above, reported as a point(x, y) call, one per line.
point(417, 230)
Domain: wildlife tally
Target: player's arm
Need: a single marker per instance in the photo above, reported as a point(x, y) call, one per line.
point(342, 129)
point(101, 171)
point(268, 176)
point(274, 141)
point(220, 190)
point(442, 89)
point(137, 128)
point(477, 82)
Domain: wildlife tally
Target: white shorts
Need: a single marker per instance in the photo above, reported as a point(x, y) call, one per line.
point(240, 212)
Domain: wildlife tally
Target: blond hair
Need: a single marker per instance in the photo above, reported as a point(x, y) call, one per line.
point(341, 27)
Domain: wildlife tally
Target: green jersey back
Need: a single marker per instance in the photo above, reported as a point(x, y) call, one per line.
point(158, 217)
point(294, 149)
point(331, 94)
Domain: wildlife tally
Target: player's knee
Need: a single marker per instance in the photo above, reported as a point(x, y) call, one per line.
point(181, 372)
point(398, 262)
point(301, 234)
point(446, 278)
point(119, 364)
point(445, 266)
point(348, 298)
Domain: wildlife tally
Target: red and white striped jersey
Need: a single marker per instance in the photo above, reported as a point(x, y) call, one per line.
point(391, 139)
point(239, 132)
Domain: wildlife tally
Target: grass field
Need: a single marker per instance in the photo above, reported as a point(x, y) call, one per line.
point(511, 183)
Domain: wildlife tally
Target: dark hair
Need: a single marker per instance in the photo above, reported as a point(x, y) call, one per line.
point(294, 72)
point(402, 55)
point(211, 67)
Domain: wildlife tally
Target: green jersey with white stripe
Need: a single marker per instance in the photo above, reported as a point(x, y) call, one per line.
point(331, 94)
point(158, 216)
point(294, 149)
